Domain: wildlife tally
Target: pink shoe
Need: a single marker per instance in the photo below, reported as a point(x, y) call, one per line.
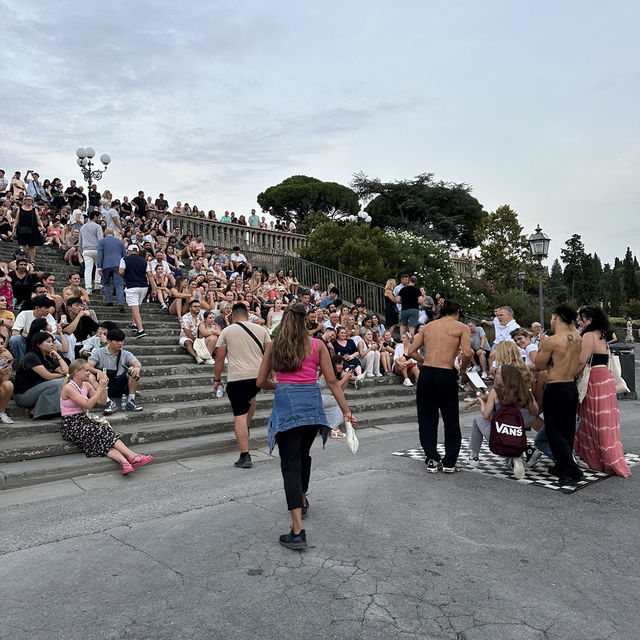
point(126, 467)
point(140, 460)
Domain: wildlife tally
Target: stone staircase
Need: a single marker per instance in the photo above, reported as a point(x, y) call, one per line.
point(181, 417)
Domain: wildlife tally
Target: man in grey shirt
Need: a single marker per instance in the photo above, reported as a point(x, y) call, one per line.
point(90, 235)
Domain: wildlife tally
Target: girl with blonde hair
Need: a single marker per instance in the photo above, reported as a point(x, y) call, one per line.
point(390, 306)
point(92, 434)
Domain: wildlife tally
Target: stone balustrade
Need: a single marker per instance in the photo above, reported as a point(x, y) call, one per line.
point(226, 235)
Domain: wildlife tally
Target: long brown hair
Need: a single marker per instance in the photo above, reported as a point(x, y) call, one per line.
point(508, 353)
point(290, 345)
point(514, 387)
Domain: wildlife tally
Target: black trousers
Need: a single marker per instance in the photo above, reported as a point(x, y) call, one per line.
point(438, 391)
point(560, 401)
point(295, 462)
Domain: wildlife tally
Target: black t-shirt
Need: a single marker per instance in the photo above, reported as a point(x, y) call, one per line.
point(409, 296)
point(126, 207)
point(140, 203)
point(162, 205)
point(94, 198)
point(22, 287)
point(5, 226)
point(26, 377)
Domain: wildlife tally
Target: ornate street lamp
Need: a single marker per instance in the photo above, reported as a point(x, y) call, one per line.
point(539, 246)
point(86, 165)
point(521, 276)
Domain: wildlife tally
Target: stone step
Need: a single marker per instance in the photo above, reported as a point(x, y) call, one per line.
point(175, 404)
point(48, 469)
point(136, 432)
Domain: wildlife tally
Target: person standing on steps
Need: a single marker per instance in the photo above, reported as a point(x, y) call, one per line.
point(110, 251)
point(137, 277)
point(297, 413)
point(442, 340)
point(90, 235)
point(243, 344)
point(559, 355)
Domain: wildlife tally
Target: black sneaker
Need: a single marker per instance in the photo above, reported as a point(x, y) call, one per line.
point(553, 471)
point(433, 466)
point(567, 481)
point(109, 304)
point(305, 510)
point(244, 462)
point(140, 334)
point(294, 540)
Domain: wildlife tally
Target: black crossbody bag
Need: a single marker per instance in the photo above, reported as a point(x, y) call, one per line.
point(253, 335)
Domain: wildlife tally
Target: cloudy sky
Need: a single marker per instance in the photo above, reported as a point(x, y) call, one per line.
point(534, 104)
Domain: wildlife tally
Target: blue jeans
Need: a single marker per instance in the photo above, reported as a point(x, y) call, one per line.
point(18, 347)
point(108, 274)
point(542, 444)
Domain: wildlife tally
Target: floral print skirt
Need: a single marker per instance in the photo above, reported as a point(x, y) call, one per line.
point(92, 434)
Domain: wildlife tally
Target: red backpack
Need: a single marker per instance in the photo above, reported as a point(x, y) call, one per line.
point(507, 437)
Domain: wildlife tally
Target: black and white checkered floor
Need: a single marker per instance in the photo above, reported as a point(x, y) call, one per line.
point(493, 465)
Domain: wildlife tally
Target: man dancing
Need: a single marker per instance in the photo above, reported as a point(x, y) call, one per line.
point(442, 339)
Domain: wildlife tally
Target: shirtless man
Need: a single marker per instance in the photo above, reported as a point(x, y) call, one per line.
point(438, 385)
point(559, 356)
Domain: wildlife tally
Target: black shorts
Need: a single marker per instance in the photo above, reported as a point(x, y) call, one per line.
point(118, 386)
point(241, 393)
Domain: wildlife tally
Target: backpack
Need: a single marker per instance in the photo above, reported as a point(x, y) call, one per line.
point(507, 437)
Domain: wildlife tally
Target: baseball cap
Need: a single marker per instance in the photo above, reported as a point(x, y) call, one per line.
point(132, 247)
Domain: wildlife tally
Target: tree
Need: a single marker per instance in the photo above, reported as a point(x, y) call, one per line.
point(436, 210)
point(296, 197)
point(629, 279)
point(504, 250)
point(358, 250)
point(573, 256)
point(556, 288)
point(617, 293)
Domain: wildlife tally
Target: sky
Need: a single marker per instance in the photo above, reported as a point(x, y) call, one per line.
point(533, 104)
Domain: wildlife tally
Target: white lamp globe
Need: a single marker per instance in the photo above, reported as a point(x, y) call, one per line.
point(105, 158)
point(368, 219)
point(81, 152)
point(90, 152)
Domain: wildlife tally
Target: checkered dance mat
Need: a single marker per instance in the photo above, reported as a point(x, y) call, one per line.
point(493, 465)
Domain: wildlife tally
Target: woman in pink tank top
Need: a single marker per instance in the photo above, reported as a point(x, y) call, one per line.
point(90, 433)
point(297, 410)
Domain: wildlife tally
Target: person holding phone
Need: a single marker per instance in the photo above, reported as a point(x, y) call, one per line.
point(92, 434)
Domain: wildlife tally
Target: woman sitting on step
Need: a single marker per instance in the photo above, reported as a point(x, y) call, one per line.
point(92, 434)
point(40, 377)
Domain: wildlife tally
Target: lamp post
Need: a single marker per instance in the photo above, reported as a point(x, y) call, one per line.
point(521, 277)
point(86, 166)
point(539, 246)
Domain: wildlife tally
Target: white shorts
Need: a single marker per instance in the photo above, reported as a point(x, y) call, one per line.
point(184, 339)
point(135, 296)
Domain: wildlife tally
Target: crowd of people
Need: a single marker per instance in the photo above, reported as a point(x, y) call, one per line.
point(259, 324)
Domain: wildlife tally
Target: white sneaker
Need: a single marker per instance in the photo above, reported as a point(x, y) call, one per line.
point(209, 361)
point(164, 306)
point(5, 419)
point(378, 375)
point(370, 375)
point(484, 375)
point(475, 368)
point(473, 462)
point(518, 468)
point(407, 383)
point(199, 360)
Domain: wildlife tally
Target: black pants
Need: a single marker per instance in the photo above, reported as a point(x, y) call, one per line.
point(560, 400)
point(438, 390)
point(295, 462)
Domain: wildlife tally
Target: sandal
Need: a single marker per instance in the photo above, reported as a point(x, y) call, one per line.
point(126, 467)
point(336, 433)
point(139, 460)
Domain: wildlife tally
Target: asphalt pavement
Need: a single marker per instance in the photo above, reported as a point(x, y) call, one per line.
point(189, 550)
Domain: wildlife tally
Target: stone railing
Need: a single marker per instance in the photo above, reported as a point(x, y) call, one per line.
point(226, 235)
point(465, 267)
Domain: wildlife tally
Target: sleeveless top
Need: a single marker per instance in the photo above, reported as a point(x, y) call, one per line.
point(599, 359)
point(307, 373)
point(69, 407)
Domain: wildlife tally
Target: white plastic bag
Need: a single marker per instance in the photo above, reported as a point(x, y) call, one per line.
point(352, 440)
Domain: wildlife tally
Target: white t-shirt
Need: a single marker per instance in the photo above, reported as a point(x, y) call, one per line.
point(503, 334)
point(237, 257)
point(110, 215)
point(25, 318)
point(396, 289)
point(525, 353)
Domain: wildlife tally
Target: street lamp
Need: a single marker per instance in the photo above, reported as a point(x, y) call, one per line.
point(86, 166)
point(521, 276)
point(364, 216)
point(539, 246)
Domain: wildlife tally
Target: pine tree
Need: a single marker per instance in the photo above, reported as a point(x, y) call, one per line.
point(630, 282)
point(573, 256)
point(556, 288)
point(617, 293)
